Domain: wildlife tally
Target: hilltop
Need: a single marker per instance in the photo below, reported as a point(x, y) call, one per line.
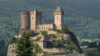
point(49, 43)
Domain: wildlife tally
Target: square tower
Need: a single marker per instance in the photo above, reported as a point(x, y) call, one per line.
point(25, 20)
point(58, 18)
point(35, 19)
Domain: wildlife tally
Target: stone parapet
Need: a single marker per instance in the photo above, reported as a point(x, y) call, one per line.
point(45, 27)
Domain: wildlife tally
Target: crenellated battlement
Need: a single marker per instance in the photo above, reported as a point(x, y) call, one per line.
point(25, 12)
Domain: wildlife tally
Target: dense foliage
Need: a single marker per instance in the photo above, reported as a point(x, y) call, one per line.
point(44, 33)
point(68, 45)
point(24, 45)
point(12, 40)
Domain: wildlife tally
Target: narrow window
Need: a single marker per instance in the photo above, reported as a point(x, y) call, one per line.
point(32, 17)
point(46, 27)
point(57, 17)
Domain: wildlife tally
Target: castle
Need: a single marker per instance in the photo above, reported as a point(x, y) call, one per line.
point(33, 20)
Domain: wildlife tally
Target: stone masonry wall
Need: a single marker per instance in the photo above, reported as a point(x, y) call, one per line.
point(11, 50)
point(45, 26)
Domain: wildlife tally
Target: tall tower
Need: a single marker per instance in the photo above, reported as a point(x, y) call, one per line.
point(35, 19)
point(25, 20)
point(58, 18)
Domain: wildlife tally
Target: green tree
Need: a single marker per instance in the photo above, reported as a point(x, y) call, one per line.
point(44, 33)
point(36, 49)
point(65, 29)
point(12, 40)
point(24, 45)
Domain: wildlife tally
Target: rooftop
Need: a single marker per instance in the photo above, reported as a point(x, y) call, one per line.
point(58, 9)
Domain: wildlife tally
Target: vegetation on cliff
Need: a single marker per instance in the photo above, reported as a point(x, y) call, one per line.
point(73, 42)
point(70, 43)
point(26, 46)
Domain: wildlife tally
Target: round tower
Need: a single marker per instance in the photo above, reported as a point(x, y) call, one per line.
point(58, 18)
point(25, 20)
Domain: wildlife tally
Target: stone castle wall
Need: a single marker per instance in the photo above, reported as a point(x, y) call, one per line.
point(54, 50)
point(58, 21)
point(45, 26)
point(11, 50)
point(25, 20)
point(33, 20)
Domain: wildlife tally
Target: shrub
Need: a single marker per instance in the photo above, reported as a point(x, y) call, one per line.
point(12, 40)
point(44, 33)
point(38, 39)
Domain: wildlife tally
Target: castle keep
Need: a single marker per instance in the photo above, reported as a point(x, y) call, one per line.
point(33, 20)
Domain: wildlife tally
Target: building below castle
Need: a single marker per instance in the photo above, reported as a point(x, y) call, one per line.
point(33, 20)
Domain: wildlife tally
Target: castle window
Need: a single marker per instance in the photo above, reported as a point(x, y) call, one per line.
point(32, 17)
point(46, 28)
point(57, 17)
